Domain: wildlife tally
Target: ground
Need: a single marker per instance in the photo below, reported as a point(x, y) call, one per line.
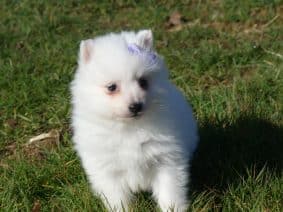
point(226, 57)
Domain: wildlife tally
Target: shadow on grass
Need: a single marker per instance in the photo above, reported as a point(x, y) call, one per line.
point(225, 153)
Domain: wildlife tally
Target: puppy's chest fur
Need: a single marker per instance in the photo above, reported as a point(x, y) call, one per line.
point(131, 155)
point(133, 159)
point(134, 148)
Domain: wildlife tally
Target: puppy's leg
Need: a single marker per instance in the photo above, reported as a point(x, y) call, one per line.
point(169, 188)
point(115, 197)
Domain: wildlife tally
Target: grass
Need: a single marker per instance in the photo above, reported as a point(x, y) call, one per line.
point(227, 58)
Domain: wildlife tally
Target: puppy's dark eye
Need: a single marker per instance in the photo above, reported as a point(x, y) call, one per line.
point(112, 87)
point(143, 83)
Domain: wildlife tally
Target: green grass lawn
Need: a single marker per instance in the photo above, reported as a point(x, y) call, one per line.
point(227, 58)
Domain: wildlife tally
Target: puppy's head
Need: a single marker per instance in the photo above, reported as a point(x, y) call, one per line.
point(119, 75)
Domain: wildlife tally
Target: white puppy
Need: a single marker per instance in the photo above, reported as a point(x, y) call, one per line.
point(133, 130)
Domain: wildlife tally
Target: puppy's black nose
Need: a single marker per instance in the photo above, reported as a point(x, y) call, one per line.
point(136, 107)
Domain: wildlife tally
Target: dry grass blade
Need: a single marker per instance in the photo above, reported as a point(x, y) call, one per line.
point(52, 137)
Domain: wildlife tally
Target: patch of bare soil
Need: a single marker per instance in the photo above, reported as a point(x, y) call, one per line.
point(256, 26)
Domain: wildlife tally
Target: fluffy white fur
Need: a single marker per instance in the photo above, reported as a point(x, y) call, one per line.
point(122, 154)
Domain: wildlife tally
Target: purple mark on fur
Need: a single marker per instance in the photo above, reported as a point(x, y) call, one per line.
point(147, 54)
point(134, 49)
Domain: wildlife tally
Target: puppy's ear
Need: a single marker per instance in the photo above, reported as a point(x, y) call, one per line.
point(86, 51)
point(145, 39)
